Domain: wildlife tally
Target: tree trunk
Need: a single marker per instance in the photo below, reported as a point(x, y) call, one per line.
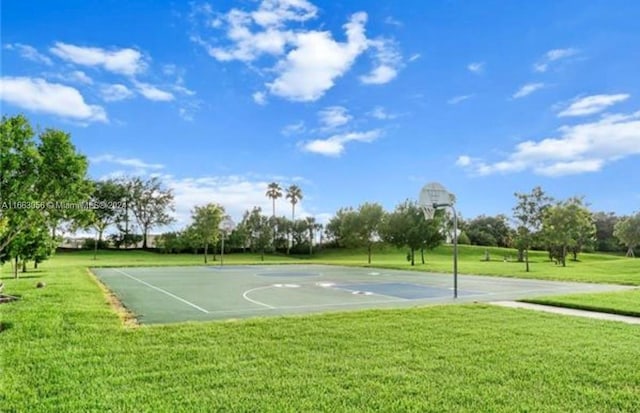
point(564, 255)
point(262, 255)
point(520, 255)
point(369, 253)
point(144, 239)
point(630, 252)
point(413, 256)
point(95, 248)
point(526, 259)
point(35, 265)
point(575, 255)
point(24, 265)
point(206, 246)
point(422, 254)
point(15, 268)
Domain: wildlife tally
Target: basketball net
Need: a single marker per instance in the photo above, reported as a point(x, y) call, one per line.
point(429, 211)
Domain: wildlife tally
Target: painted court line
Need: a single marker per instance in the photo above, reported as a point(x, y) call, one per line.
point(161, 290)
point(245, 296)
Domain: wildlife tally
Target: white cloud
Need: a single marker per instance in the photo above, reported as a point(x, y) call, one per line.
point(592, 104)
point(123, 61)
point(274, 13)
point(38, 95)
point(414, 57)
point(29, 53)
point(335, 145)
point(116, 92)
point(586, 147)
point(235, 193)
point(293, 129)
point(129, 162)
point(476, 67)
point(333, 116)
point(80, 77)
point(392, 21)
point(388, 62)
point(307, 62)
point(527, 89)
point(380, 113)
point(457, 99)
point(153, 93)
point(463, 160)
point(310, 69)
point(551, 56)
point(260, 98)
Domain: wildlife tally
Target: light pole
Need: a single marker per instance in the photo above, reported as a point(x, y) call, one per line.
point(455, 245)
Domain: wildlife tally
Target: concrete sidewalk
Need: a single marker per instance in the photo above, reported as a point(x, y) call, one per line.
point(569, 311)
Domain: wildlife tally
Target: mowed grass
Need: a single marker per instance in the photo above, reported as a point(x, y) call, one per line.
point(63, 348)
point(599, 268)
point(624, 303)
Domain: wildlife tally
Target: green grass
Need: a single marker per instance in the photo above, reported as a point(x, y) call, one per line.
point(600, 268)
point(63, 348)
point(623, 303)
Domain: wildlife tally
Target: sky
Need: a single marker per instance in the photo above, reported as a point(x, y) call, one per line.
point(353, 101)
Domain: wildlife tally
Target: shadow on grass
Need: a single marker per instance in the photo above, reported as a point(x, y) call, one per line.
point(27, 276)
point(5, 325)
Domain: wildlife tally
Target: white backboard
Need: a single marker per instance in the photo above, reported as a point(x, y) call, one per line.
point(435, 193)
point(227, 224)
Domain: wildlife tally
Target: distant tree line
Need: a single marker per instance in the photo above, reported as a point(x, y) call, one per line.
point(45, 190)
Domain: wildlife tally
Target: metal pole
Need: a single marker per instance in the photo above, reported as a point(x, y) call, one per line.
point(222, 250)
point(455, 252)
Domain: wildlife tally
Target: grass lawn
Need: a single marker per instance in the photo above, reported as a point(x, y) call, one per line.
point(63, 348)
point(624, 303)
point(601, 268)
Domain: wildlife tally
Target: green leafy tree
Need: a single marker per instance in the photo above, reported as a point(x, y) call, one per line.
point(106, 199)
point(312, 227)
point(528, 214)
point(274, 191)
point(370, 218)
point(205, 223)
point(258, 228)
point(407, 227)
point(566, 227)
point(605, 225)
point(627, 230)
point(489, 231)
point(150, 204)
point(19, 165)
point(62, 179)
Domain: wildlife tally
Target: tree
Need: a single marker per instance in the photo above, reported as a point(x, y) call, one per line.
point(627, 230)
point(205, 224)
point(313, 227)
point(274, 192)
point(62, 179)
point(605, 224)
point(19, 165)
point(343, 228)
point(528, 214)
point(150, 204)
point(258, 230)
point(566, 226)
point(489, 231)
point(294, 195)
point(106, 203)
point(370, 218)
point(407, 227)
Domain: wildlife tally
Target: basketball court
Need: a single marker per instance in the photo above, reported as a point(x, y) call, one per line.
point(177, 294)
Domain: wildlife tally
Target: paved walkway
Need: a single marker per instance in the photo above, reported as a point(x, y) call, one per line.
point(569, 311)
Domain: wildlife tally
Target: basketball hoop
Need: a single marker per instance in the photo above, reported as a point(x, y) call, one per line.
point(429, 211)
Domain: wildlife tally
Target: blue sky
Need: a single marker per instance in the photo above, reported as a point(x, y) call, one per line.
point(354, 101)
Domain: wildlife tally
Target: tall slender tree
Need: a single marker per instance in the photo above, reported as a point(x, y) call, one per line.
point(294, 195)
point(274, 192)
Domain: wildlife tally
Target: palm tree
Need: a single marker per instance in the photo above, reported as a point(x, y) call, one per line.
point(294, 195)
point(274, 192)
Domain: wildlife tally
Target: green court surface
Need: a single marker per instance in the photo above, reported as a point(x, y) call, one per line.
point(176, 294)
